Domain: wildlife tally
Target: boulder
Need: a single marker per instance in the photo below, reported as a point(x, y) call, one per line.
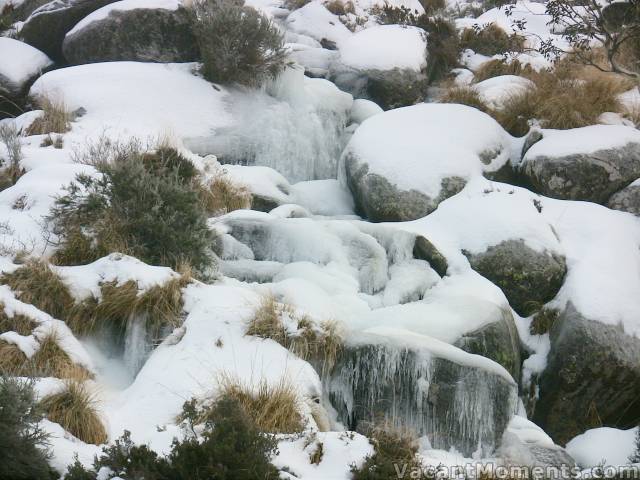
point(21, 11)
point(592, 377)
point(589, 163)
point(46, 26)
point(401, 164)
point(385, 64)
point(527, 277)
point(159, 31)
point(627, 199)
point(413, 381)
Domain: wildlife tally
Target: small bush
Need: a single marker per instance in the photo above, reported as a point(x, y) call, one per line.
point(74, 408)
point(12, 170)
point(464, 96)
point(490, 40)
point(272, 408)
point(392, 448)
point(144, 204)
point(319, 345)
point(223, 196)
point(498, 67)
point(36, 283)
point(231, 447)
point(55, 119)
point(339, 7)
point(237, 43)
point(23, 454)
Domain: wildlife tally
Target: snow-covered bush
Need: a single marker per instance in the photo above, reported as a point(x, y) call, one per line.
point(237, 43)
point(394, 451)
point(144, 204)
point(22, 442)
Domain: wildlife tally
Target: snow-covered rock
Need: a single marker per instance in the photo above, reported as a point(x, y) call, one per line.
point(588, 163)
point(385, 64)
point(627, 199)
point(498, 90)
point(135, 30)
point(400, 165)
point(46, 26)
point(19, 63)
point(612, 445)
point(315, 21)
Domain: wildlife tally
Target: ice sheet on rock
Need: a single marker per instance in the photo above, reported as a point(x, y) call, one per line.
point(19, 61)
point(124, 5)
point(612, 445)
point(384, 48)
point(324, 197)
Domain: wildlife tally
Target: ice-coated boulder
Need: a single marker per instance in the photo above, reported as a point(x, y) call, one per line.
point(19, 64)
point(401, 164)
point(315, 21)
point(592, 377)
point(155, 31)
point(46, 26)
point(588, 163)
point(627, 199)
point(528, 278)
point(414, 381)
point(384, 64)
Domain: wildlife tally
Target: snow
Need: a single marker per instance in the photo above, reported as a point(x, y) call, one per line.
point(363, 109)
point(128, 103)
point(585, 140)
point(612, 445)
point(384, 48)
point(315, 21)
point(426, 143)
point(124, 5)
point(323, 197)
point(497, 90)
point(19, 61)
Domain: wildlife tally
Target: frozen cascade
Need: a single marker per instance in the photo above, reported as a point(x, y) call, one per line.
point(454, 405)
point(136, 345)
point(295, 126)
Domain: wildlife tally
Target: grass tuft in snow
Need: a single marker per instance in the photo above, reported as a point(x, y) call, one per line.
point(318, 344)
point(498, 67)
point(393, 448)
point(36, 283)
point(491, 40)
point(464, 96)
point(340, 7)
point(10, 167)
point(55, 119)
point(543, 321)
point(17, 323)
point(12, 359)
point(223, 196)
point(50, 360)
point(74, 408)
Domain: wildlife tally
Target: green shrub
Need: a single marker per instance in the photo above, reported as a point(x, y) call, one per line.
point(144, 204)
point(237, 43)
point(230, 448)
point(23, 454)
point(490, 40)
point(392, 449)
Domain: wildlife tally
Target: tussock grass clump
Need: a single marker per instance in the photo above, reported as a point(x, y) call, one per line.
point(17, 323)
point(50, 360)
point(339, 7)
point(273, 408)
point(490, 40)
point(74, 408)
point(393, 447)
point(543, 321)
point(12, 359)
point(320, 345)
point(498, 67)
point(223, 196)
point(56, 117)
point(464, 96)
point(10, 169)
point(237, 43)
point(36, 283)
point(146, 204)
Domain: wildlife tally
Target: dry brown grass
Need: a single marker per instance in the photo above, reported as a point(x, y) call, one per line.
point(273, 408)
point(17, 323)
point(52, 361)
point(74, 408)
point(338, 7)
point(223, 196)
point(498, 67)
point(36, 283)
point(12, 359)
point(320, 345)
point(491, 40)
point(464, 96)
point(56, 117)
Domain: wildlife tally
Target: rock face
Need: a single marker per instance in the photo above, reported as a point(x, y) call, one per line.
point(454, 398)
point(589, 163)
point(46, 27)
point(401, 164)
point(140, 34)
point(592, 378)
point(528, 278)
point(627, 199)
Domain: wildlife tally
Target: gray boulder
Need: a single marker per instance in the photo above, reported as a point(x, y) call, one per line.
point(567, 165)
point(528, 278)
point(592, 378)
point(140, 34)
point(46, 26)
point(627, 199)
point(454, 398)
